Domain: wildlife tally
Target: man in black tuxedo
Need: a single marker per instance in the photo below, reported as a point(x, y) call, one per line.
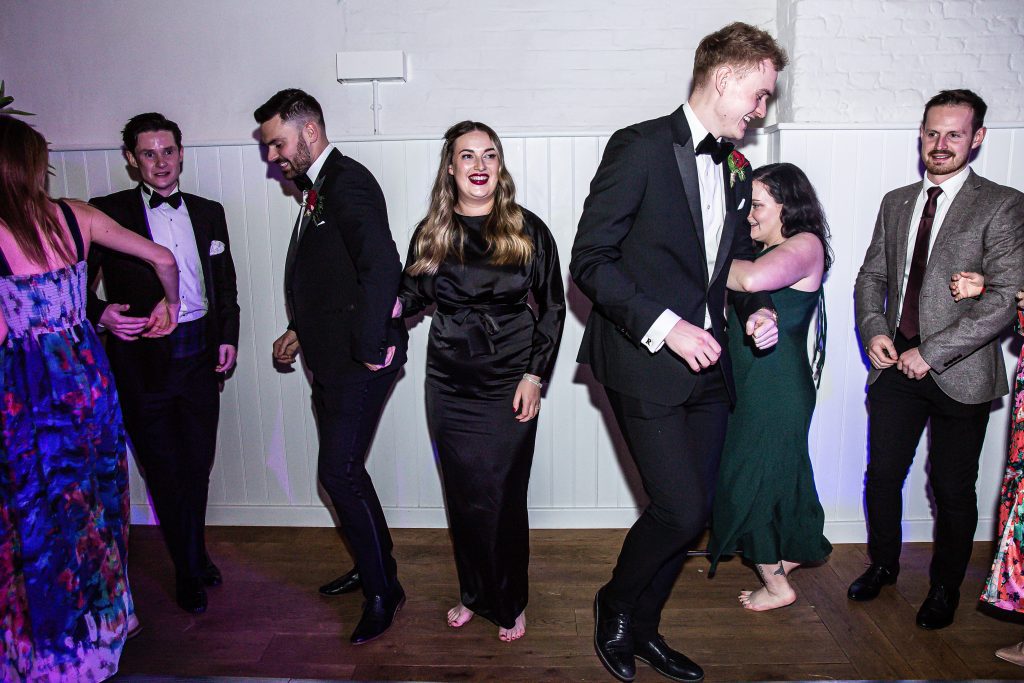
point(169, 387)
point(665, 216)
point(341, 282)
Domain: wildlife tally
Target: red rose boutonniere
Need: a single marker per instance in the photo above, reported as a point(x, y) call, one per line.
point(314, 206)
point(738, 166)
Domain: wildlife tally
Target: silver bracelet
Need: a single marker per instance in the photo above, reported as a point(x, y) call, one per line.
point(529, 378)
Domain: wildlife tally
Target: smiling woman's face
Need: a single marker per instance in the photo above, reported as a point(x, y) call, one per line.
point(475, 166)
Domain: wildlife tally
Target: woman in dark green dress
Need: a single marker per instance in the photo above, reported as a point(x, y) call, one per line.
point(766, 505)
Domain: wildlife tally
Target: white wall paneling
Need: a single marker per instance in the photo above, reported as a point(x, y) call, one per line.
point(266, 462)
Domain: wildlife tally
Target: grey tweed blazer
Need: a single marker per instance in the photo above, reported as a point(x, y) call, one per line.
point(983, 231)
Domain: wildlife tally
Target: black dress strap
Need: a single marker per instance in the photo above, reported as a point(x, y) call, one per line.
point(5, 268)
point(76, 233)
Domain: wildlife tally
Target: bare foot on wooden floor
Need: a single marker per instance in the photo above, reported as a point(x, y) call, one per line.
point(516, 632)
point(459, 615)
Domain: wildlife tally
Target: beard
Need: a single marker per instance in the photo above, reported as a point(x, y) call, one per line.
point(951, 166)
point(301, 161)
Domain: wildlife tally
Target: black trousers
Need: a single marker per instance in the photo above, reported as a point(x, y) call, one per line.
point(347, 417)
point(173, 433)
point(898, 410)
point(677, 450)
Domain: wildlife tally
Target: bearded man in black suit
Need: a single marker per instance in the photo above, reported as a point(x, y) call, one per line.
point(665, 216)
point(170, 387)
point(341, 282)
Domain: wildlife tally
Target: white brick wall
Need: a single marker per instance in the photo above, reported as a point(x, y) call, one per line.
point(878, 61)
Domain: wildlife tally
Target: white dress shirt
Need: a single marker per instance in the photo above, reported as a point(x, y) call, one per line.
point(712, 209)
point(172, 228)
point(950, 188)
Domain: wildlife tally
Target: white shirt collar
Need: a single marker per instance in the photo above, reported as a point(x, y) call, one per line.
point(148, 189)
point(314, 169)
point(950, 186)
point(697, 130)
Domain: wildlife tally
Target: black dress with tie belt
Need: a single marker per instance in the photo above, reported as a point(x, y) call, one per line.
point(483, 337)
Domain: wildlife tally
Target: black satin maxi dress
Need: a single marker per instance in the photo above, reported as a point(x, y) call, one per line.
point(483, 337)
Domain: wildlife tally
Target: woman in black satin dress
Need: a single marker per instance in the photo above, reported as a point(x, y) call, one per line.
point(478, 255)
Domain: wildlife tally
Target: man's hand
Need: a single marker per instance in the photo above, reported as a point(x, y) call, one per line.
point(390, 356)
point(762, 328)
point(881, 352)
point(285, 348)
point(695, 346)
point(126, 327)
point(226, 356)
point(912, 364)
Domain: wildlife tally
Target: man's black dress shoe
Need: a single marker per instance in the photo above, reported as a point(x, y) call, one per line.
point(211, 574)
point(346, 583)
point(666, 661)
point(378, 614)
point(869, 584)
point(613, 640)
point(191, 595)
point(938, 608)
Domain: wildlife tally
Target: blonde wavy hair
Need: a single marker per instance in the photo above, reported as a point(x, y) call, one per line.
point(442, 233)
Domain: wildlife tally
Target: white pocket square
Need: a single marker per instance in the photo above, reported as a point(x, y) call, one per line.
point(742, 204)
point(216, 247)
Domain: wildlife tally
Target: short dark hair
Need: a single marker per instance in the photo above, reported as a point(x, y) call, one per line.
point(737, 44)
point(149, 122)
point(801, 210)
point(291, 104)
point(961, 97)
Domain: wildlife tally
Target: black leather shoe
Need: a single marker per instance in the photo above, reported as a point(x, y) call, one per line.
point(191, 595)
point(346, 583)
point(869, 584)
point(666, 661)
point(938, 608)
point(613, 640)
point(211, 574)
point(378, 614)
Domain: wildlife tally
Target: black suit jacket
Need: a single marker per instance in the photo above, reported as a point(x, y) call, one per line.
point(343, 283)
point(639, 250)
point(129, 280)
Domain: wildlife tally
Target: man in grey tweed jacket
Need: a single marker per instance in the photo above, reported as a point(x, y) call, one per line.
point(935, 359)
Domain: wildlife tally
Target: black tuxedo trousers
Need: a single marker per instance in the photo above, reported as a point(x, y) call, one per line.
point(173, 433)
point(347, 417)
point(677, 450)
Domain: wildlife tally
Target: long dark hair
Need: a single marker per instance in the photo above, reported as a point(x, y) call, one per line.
point(442, 233)
point(25, 208)
point(801, 210)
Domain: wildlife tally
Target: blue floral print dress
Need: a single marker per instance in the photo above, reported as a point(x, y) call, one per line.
point(64, 598)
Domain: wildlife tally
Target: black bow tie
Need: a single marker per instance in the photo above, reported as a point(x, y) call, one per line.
point(303, 182)
point(718, 151)
point(156, 199)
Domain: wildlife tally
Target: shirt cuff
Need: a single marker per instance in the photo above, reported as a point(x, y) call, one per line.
point(655, 337)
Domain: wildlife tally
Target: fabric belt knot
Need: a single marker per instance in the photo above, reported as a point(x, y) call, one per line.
point(479, 323)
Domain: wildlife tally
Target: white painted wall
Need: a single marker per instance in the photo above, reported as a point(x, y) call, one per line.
point(528, 65)
point(878, 61)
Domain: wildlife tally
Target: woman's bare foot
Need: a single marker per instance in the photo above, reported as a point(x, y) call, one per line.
point(516, 632)
point(762, 600)
point(776, 591)
point(459, 615)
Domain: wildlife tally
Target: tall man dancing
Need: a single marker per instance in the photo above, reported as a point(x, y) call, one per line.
point(663, 220)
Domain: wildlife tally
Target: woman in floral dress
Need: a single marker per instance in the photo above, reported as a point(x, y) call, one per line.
point(1005, 585)
point(64, 599)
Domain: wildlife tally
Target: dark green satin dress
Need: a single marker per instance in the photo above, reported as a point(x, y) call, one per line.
point(766, 504)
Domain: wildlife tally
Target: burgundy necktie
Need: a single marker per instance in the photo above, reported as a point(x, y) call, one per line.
point(911, 297)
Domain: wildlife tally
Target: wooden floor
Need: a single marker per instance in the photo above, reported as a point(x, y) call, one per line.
point(267, 620)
